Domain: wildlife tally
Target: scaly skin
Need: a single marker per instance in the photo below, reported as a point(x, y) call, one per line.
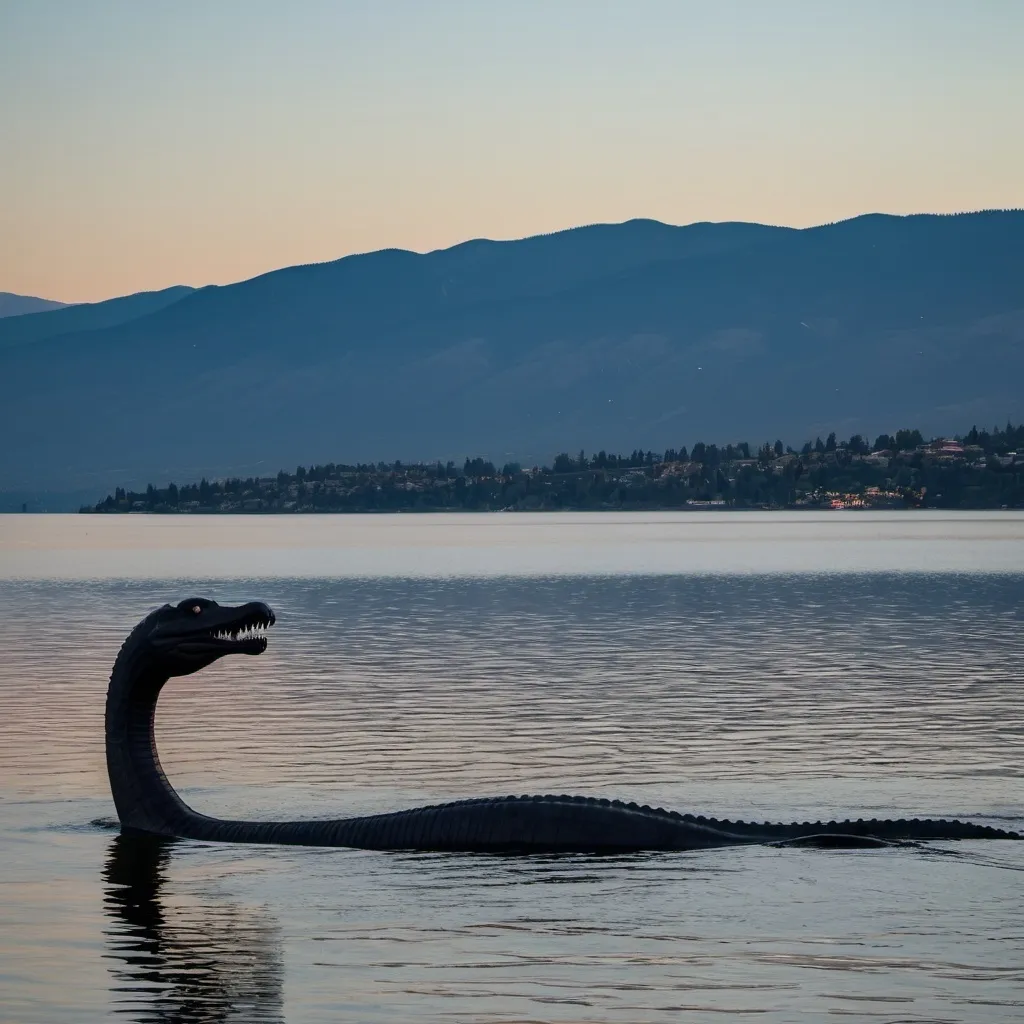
point(180, 640)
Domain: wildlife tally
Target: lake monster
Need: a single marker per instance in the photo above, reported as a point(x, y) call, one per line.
point(182, 639)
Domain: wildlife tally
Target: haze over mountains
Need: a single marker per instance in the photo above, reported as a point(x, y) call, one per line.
point(18, 305)
point(87, 316)
point(610, 336)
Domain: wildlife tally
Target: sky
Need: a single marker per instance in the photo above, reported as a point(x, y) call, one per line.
point(150, 144)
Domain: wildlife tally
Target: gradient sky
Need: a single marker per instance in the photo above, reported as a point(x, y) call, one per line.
point(155, 143)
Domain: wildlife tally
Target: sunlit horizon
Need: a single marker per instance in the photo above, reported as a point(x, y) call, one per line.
point(488, 238)
point(148, 145)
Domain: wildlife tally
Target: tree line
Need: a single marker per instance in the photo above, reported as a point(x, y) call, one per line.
point(976, 470)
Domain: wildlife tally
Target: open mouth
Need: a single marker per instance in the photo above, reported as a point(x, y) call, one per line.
point(248, 639)
point(241, 633)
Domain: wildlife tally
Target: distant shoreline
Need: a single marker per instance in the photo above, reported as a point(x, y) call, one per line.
point(980, 470)
point(690, 509)
point(566, 510)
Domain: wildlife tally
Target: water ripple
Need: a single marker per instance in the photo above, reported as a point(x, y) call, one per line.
point(756, 696)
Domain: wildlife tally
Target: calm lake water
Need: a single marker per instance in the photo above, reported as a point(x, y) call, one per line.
point(758, 666)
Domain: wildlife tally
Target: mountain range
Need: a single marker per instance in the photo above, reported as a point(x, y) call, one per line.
point(19, 305)
point(608, 336)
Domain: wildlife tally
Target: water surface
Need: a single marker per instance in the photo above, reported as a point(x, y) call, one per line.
point(791, 666)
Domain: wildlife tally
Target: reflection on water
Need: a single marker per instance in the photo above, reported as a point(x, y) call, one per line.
point(179, 962)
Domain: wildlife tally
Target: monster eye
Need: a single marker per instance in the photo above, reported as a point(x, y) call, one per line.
point(196, 609)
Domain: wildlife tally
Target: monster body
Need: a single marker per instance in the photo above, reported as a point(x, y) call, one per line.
point(182, 639)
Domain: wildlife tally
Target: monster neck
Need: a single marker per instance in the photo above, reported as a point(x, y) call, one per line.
point(145, 800)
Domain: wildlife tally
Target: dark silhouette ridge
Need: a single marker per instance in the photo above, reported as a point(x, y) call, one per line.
point(19, 305)
point(612, 335)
